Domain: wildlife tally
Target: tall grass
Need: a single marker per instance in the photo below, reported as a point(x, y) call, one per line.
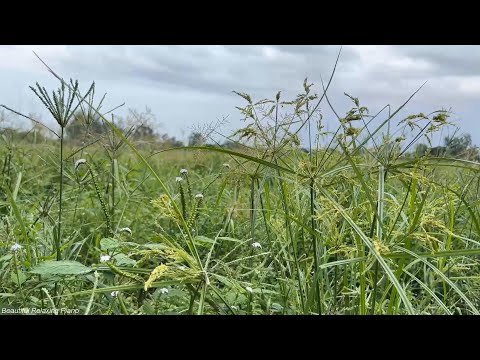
point(351, 223)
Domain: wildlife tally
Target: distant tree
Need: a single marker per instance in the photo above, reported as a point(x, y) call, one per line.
point(80, 128)
point(37, 130)
point(170, 142)
point(460, 147)
point(439, 151)
point(196, 139)
point(143, 123)
point(143, 132)
point(420, 149)
point(473, 154)
point(230, 145)
point(457, 146)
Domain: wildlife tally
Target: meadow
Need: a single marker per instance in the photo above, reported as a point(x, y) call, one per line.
point(354, 221)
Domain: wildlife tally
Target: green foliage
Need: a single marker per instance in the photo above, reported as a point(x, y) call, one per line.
point(459, 147)
point(196, 139)
point(65, 267)
point(79, 129)
point(344, 223)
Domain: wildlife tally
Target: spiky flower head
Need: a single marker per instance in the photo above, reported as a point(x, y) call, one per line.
point(184, 171)
point(114, 294)
point(257, 245)
point(165, 208)
point(199, 196)
point(178, 179)
point(105, 258)
point(249, 289)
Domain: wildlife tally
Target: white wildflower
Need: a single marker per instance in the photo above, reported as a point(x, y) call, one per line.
point(104, 258)
point(257, 245)
point(182, 267)
point(249, 289)
point(114, 294)
point(199, 196)
point(227, 165)
point(163, 291)
point(16, 247)
point(79, 162)
point(184, 171)
point(178, 179)
point(126, 229)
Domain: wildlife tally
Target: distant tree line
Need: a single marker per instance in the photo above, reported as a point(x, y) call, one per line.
point(84, 128)
point(139, 125)
point(459, 147)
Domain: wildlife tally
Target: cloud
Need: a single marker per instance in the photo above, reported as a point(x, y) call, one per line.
point(21, 57)
point(182, 83)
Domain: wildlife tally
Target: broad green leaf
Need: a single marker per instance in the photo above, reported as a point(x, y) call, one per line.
point(18, 279)
point(65, 267)
point(122, 259)
point(109, 244)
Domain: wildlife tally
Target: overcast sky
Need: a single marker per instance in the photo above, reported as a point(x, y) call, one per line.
point(190, 85)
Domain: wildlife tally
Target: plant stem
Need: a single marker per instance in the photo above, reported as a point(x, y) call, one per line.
point(18, 280)
point(59, 229)
point(252, 208)
point(315, 247)
point(114, 180)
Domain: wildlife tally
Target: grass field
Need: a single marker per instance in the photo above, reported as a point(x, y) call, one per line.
point(349, 222)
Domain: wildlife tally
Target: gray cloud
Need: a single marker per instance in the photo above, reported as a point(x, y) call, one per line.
point(453, 60)
point(188, 84)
